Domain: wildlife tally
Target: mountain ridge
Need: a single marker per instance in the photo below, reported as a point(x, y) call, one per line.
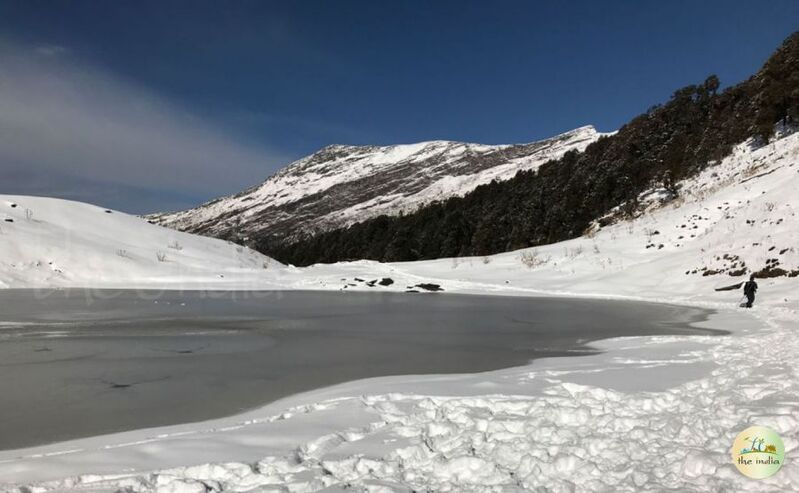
point(342, 184)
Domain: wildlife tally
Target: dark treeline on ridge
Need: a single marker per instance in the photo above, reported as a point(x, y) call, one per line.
point(669, 142)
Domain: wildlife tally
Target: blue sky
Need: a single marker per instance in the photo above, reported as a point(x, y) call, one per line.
point(225, 93)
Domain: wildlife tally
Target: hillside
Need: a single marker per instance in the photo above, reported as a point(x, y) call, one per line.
point(48, 242)
point(340, 185)
point(561, 199)
point(738, 218)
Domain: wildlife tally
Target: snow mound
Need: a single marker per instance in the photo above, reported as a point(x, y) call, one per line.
point(48, 242)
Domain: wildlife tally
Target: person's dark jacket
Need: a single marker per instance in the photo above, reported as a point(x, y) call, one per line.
point(750, 288)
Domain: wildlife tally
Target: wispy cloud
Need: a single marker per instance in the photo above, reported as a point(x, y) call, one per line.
point(51, 50)
point(73, 128)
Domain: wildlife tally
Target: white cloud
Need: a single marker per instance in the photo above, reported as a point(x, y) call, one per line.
point(63, 118)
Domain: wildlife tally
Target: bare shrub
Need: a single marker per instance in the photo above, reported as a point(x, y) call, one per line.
point(486, 260)
point(572, 253)
point(531, 259)
point(124, 254)
point(752, 170)
point(161, 256)
point(175, 245)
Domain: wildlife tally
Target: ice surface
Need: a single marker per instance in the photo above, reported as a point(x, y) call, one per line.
point(118, 359)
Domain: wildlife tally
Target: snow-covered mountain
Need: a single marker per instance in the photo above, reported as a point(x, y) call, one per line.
point(340, 185)
point(46, 242)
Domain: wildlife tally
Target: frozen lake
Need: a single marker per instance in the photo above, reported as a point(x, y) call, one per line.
point(77, 363)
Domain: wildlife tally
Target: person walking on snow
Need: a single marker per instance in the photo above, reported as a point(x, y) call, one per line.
point(750, 288)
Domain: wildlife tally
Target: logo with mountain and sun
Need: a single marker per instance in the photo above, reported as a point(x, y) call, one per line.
point(758, 452)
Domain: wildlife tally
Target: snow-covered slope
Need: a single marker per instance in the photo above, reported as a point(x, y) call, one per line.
point(339, 185)
point(48, 242)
